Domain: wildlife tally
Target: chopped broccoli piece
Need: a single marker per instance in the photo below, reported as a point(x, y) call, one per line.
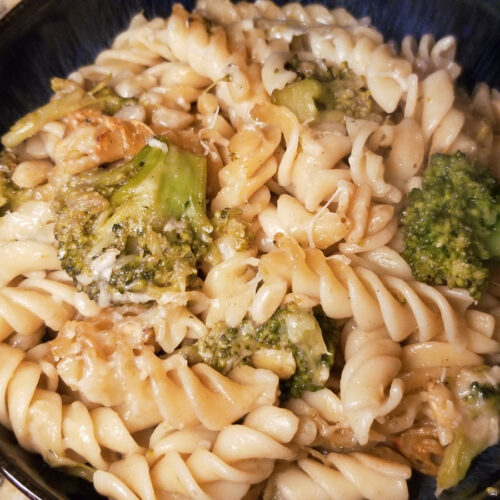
point(228, 222)
point(11, 196)
point(291, 343)
point(481, 397)
point(319, 70)
point(478, 392)
point(300, 97)
point(68, 98)
point(140, 227)
point(321, 91)
point(328, 327)
point(457, 459)
point(451, 225)
point(228, 226)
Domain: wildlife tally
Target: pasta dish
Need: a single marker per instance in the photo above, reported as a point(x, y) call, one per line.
point(251, 252)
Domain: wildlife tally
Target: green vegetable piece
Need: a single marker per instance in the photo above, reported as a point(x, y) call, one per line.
point(69, 466)
point(451, 225)
point(482, 400)
point(139, 227)
point(290, 330)
point(483, 397)
point(456, 460)
point(229, 225)
point(300, 97)
point(184, 193)
point(102, 98)
point(348, 96)
point(181, 178)
point(11, 196)
point(326, 93)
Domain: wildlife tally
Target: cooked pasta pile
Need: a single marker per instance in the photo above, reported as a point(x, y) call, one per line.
point(238, 320)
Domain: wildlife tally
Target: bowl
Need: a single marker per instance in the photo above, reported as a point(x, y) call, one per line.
point(40, 39)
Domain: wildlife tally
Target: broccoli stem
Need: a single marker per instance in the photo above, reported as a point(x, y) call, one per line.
point(33, 122)
point(184, 191)
point(456, 460)
point(180, 181)
point(300, 98)
point(101, 98)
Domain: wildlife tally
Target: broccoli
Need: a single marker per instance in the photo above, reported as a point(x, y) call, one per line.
point(11, 196)
point(69, 97)
point(481, 399)
point(451, 226)
point(228, 222)
point(290, 343)
point(140, 227)
point(229, 226)
point(321, 91)
point(457, 459)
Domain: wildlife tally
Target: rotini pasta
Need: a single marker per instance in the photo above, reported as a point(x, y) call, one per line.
point(218, 465)
point(355, 475)
point(33, 292)
point(146, 390)
point(42, 423)
point(372, 301)
point(372, 363)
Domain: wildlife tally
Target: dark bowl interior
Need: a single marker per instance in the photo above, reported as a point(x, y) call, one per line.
point(44, 38)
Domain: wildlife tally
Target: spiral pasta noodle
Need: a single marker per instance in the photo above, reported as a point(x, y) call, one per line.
point(372, 363)
point(372, 300)
point(146, 390)
point(430, 55)
point(39, 299)
point(42, 423)
point(322, 421)
point(243, 180)
point(308, 15)
point(354, 475)
point(312, 176)
point(218, 465)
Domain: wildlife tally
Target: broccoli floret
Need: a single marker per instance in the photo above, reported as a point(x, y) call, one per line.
point(230, 229)
point(140, 227)
point(68, 98)
point(321, 91)
point(291, 343)
point(451, 225)
point(228, 222)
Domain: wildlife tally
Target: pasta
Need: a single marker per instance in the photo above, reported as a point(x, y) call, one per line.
point(205, 288)
point(345, 476)
point(146, 391)
point(218, 465)
point(42, 423)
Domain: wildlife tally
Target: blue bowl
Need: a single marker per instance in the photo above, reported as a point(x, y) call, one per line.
point(40, 39)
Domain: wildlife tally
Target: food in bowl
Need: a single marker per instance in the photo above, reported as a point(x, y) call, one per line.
point(250, 251)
